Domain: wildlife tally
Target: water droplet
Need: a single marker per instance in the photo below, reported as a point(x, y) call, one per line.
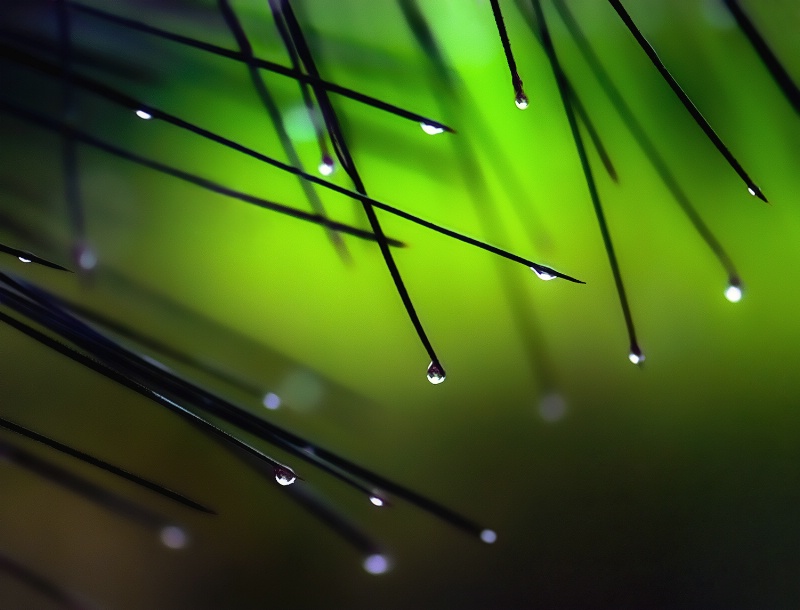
point(173, 537)
point(489, 536)
point(22, 259)
point(376, 500)
point(636, 356)
point(431, 130)
point(143, 114)
point(284, 476)
point(84, 256)
point(734, 292)
point(542, 274)
point(271, 400)
point(327, 166)
point(751, 190)
point(376, 564)
point(521, 100)
point(552, 407)
point(435, 373)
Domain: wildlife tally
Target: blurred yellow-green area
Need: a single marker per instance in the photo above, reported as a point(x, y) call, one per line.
point(675, 484)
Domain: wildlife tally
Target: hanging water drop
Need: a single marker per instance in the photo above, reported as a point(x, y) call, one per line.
point(143, 114)
point(751, 190)
point(377, 500)
point(327, 166)
point(542, 274)
point(636, 356)
point(435, 373)
point(431, 130)
point(271, 401)
point(173, 537)
point(521, 100)
point(22, 259)
point(376, 564)
point(489, 536)
point(85, 257)
point(284, 476)
point(734, 292)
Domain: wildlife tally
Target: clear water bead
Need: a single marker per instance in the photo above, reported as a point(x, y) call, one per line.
point(636, 356)
point(376, 500)
point(543, 275)
point(376, 564)
point(431, 130)
point(734, 292)
point(521, 100)
point(326, 167)
point(143, 114)
point(173, 537)
point(22, 259)
point(284, 476)
point(435, 373)
point(489, 536)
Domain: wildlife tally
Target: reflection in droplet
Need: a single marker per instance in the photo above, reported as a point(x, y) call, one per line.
point(636, 356)
point(436, 373)
point(521, 100)
point(376, 500)
point(751, 190)
point(543, 275)
point(143, 114)
point(284, 476)
point(23, 259)
point(173, 537)
point(326, 167)
point(489, 536)
point(271, 401)
point(376, 564)
point(85, 257)
point(734, 292)
point(431, 130)
point(552, 407)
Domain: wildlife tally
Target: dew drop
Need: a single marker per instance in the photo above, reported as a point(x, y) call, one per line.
point(521, 100)
point(636, 356)
point(751, 190)
point(22, 259)
point(271, 401)
point(284, 476)
point(376, 564)
point(734, 292)
point(489, 536)
point(173, 537)
point(327, 166)
point(543, 275)
point(84, 256)
point(143, 114)
point(431, 130)
point(376, 500)
point(436, 373)
point(552, 407)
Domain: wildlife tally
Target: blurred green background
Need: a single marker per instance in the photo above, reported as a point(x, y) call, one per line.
point(671, 485)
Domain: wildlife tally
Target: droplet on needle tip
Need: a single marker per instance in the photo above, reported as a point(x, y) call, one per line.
point(734, 291)
point(521, 100)
point(543, 275)
point(284, 476)
point(435, 373)
point(431, 130)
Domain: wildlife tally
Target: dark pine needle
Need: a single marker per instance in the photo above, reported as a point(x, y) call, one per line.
point(520, 99)
point(771, 61)
point(635, 354)
point(42, 585)
point(26, 257)
point(276, 119)
point(645, 142)
point(132, 104)
point(348, 163)
point(103, 465)
point(266, 65)
point(688, 104)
